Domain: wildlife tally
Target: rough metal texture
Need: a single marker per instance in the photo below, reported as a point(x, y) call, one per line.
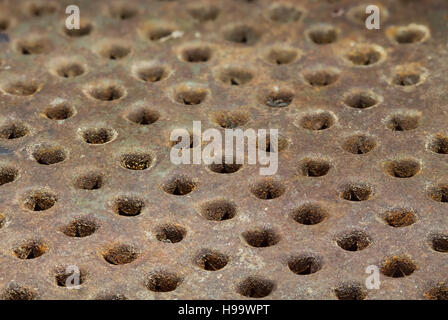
point(313, 61)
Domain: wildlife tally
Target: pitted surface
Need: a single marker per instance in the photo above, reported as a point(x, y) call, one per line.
point(86, 178)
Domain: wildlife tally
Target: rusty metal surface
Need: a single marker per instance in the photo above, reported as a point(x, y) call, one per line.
point(378, 96)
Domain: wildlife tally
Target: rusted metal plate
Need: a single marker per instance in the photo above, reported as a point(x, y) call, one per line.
point(86, 177)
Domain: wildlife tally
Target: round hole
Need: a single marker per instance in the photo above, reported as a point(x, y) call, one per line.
point(353, 241)
point(350, 290)
point(120, 254)
point(321, 77)
point(21, 88)
point(13, 130)
point(63, 277)
point(365, 55)
point(48, 154)
point(359, 144)
point(356, 192)
point(304, 264)
point(85, 28)
point(320, 120)
point(98, 135)
point(225, 167)
point(89, 181)
point(241, 34)
point(403, 121)
point(278, 99)
point(163, 281)
point(199, 53)
point(33, 45)
point(281, 55)
point(231, 119)
point(105, 91)
point(170, 233)
point(179, 185)
point(284, 14)
point(309, 167)
point(439, 292)
point(323, 35)
point(412, 33)
point(397, 266)
point(408, 75)
point(218, 210)
point(40, 200)
point(309, 214)
point(255, 287)
point(69, 69)
point(19, 292)
point(80, 228)
point(235, 76)
point(59, 112)
point(211, 260)
point(123, 11)
point(267, 189)
point(361, 99)
point(438, 192)
point(40, 8)
point(151, 73)
point(403, 168)
point(136, 161)
point(261, 238)
point(143, 116)
point(128, 206)
point(190, 95)
point(400, 217)
point(438, 143)
point(30, 249)
point(439, 242)
point(158, 33)
point(204, 12)
point(8, 174)
point(5, 23)
point(114, 51)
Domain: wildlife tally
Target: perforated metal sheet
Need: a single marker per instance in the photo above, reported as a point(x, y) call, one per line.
point(86, 177)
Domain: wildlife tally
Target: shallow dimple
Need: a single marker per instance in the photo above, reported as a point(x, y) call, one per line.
point(255, 287)
point(261, 237)
point(353, 240)
point(241, 34)
point(284, 14)
point(350, 290)
point(398, 266)
point(400, 217)
point(136, 161)
point(218, 210)
point(309, 214)
point(304, 264)
point(267, 189)
point(322, 35)
point(402, 168)
point(320, 120)
point(359, 144)
point(356, 192)
point(163, 281)
point(120, 254)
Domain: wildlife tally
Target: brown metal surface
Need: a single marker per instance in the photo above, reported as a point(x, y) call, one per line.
point(84, 149)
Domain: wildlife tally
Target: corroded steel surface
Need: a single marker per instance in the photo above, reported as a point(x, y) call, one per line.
point(84, 149)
